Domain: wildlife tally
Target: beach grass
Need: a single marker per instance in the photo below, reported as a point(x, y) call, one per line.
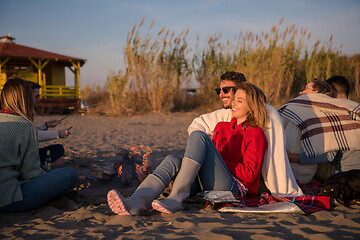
point(160, 65)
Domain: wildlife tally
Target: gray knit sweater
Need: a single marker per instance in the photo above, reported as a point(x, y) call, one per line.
point(19, 156)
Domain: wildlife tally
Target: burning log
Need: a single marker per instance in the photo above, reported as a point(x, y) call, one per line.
point(104, 173)
point(133, 165)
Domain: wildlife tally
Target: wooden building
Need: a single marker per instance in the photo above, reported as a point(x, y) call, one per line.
point(42, 67)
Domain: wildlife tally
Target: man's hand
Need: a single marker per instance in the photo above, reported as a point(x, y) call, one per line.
point(52, 123)
point(63, 133)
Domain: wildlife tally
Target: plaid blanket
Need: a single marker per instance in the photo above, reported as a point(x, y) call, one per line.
point(327, 124)
point(309, 203)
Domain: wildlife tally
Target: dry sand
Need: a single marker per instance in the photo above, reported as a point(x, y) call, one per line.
point(87, 215)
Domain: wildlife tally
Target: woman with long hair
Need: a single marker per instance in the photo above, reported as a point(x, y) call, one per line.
point(230, 161)
point(23, 184)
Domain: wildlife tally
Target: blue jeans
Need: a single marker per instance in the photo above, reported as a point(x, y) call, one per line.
point(38, 191)
point(213, 173)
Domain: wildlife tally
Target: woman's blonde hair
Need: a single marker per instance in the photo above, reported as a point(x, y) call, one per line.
point(16, 96)
point(255, 98)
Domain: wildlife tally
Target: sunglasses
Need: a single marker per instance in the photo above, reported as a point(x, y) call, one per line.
point(224, 89)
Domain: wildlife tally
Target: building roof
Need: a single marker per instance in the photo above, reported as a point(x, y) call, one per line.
point(8, 48)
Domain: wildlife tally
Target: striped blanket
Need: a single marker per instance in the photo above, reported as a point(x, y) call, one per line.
point(327, 124)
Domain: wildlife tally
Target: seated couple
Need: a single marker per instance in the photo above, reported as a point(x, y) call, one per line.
point(322, 128)
point(240, 149)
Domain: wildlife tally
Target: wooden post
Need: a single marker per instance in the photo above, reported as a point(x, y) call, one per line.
point(42, 81)
point(76, 72)
point(3, 63)
point(3, 75)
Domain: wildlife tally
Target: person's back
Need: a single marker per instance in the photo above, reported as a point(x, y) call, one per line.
point(344, 160)
point(14, 130)
point(17, 145)
point(321, 129)
point(303, 173)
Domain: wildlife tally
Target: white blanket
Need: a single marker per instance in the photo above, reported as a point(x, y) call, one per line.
point(216, 197)
point(280, 207)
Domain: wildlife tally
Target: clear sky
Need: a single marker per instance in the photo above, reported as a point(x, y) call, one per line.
point(96, 29)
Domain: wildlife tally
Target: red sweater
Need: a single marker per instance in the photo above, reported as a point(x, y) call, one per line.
point(242, 151)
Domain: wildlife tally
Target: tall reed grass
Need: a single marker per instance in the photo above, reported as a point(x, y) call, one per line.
point(156, 69)
point(158, 66)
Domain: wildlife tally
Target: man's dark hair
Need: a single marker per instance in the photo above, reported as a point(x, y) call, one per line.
point(33, 85)
point(339, 84)
point(236, 77)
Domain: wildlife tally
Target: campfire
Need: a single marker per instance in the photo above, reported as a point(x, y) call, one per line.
point(134, 163)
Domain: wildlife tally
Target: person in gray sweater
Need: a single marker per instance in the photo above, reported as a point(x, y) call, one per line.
point(56, 150)
point(23, 184)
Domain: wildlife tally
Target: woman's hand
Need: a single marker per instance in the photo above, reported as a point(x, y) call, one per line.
point(293, 157)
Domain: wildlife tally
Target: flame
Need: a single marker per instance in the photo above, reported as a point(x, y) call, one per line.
point(137, 150)
point(120, 170)
point(119, 167)
point(145, 163)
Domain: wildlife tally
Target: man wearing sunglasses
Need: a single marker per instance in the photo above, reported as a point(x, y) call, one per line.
point(276, 171)
point(226, 90)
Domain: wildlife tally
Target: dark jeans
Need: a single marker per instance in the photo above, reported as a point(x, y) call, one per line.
point(38, 191)
point(56, 152)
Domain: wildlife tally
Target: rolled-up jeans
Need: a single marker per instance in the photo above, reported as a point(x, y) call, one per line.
point(38, 191)
point(213, 173)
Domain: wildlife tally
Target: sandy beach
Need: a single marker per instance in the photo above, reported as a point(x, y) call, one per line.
point(86, 215)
